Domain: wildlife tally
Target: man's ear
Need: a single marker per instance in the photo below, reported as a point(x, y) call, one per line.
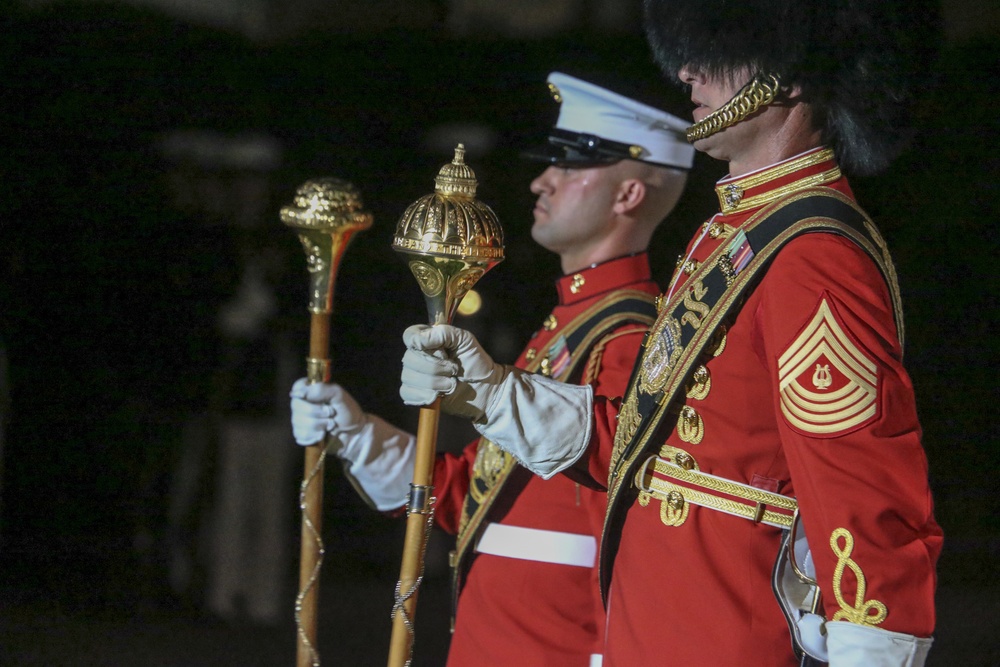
point(631, 193)
point(792, 93)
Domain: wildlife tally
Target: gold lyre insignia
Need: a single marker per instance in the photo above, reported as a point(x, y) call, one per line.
point(863, 612)
point(577, 283)
point(827, 383)
point(821, 377)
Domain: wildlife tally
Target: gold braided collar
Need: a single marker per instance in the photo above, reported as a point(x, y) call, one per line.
point(733, 194)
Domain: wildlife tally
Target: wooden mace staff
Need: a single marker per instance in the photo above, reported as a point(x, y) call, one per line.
point(449, 239)
point(326, 213)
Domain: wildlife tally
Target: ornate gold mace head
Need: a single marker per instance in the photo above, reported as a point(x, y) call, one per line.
point(326, 213)
point(449, 238)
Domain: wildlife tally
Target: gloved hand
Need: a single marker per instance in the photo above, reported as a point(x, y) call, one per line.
point(544, 424)
point(448, 361)
point(378, 457)
point(320, 408)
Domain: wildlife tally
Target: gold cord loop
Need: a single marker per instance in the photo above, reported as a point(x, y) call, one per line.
point(757, 94)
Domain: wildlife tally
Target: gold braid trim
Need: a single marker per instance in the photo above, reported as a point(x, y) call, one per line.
point(597, 355)
point(703, 489)
point(864, 612)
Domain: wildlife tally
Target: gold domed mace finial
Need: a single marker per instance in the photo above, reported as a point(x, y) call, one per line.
point(456, 179)
point(450, 238)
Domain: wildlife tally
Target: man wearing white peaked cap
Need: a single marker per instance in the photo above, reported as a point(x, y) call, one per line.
point(598, 126)
point(524, 564)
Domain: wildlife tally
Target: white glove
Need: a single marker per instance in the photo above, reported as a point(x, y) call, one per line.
point(544, 424)
point(459, 356)
point(378, 457)
point(853, 645)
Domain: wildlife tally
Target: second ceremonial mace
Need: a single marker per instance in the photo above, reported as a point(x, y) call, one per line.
point(326, 213)
point(449, 240)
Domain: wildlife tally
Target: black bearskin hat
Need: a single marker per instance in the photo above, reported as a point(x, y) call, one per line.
point(859, 63)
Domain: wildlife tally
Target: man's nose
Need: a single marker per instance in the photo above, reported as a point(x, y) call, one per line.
point(542, 182)
point(690, 74)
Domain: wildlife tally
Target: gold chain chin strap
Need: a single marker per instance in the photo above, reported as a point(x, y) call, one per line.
point(757, 94)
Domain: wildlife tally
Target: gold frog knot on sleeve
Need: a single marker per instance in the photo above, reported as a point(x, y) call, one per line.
point(863, 612)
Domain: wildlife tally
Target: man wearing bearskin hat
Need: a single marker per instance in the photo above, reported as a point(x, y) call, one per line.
point(768, 501)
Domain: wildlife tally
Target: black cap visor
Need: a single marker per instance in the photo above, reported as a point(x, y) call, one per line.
point(578, 149)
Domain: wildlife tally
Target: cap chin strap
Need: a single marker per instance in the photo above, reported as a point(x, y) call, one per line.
point(757, 94)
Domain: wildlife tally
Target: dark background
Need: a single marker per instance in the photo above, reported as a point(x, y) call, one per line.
point(108, 289)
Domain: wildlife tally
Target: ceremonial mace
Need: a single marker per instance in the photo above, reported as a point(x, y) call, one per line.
point(326, 213)
point(449, 240)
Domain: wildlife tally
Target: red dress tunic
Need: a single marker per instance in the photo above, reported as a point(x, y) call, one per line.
point(528, 613)
point(698, 591)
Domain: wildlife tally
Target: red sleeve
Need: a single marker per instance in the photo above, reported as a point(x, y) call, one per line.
point(614, 368)
point(848, 425)
point(608, 370)
point(452, 473)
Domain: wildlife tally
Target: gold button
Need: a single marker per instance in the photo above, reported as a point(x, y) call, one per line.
point(675, 501)
point(550, 323)
point(684, 460)
point(690, 427)
point(578, 282)
point(546, 368)
point(691, 266)
point(530, 354)
point(700, 385)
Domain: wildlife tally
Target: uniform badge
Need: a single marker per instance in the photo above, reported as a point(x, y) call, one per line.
point(558, 357)
point(828, 385)
point(489, 465)
point(662, 352)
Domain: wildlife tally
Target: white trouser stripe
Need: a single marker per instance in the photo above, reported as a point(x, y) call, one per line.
point(546, 546)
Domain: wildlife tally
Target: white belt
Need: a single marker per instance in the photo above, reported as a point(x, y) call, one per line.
point(546, 546)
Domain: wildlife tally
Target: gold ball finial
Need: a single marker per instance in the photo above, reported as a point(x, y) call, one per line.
point(450, 238)
point(327, 204)
point(326, 213)
point(451, 222)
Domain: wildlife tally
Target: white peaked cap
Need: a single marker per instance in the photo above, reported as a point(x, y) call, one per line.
point(598, 126)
